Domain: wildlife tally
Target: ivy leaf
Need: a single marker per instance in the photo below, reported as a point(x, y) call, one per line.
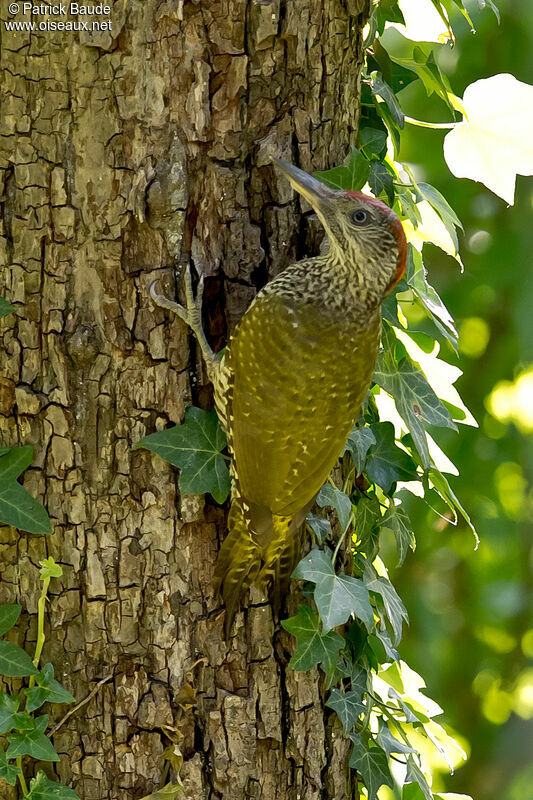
point(195, 447)
point(359, 441)
point(415, 400)
point(9, 614)
point(416, 279)
point(450, 498)
point(320, 526)
point(8, 772)
point(388, 11)
point(331, 496)
point(410, 714)
point(352, 175)
point(367, 523)
point(49, 569)
point(397, 520)
point(397, 77)
point(14, 462)
point(371, 764)
point(32, 743)
point(337, 597)
point(373, 142)
point(389, 743)
point(14, 662)
point(424, 64)
point(441, 206)
point(47, 690)
point(19, 509)
point(41, 788)
point(415, 775)
point(10, 717)
point(387, 463)
point(348, 707)
point(312, 646)
point(380, 181)
point(494, 7)
point(493, 142)
point(168, 792)
point(395, 609)
point(5, 307)
point(381, 89)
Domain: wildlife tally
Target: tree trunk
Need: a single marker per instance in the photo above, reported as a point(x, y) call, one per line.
point(122, 154)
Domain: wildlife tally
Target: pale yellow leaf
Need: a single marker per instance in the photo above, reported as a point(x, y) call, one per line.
point(422, 22)
point(494, 142)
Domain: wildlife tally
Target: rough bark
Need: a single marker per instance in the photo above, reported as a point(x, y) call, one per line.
point(121, 154)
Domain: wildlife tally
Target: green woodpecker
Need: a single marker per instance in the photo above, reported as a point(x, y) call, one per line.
point(293, 378)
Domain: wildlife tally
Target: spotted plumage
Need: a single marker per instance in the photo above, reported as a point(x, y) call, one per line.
point(293, 378)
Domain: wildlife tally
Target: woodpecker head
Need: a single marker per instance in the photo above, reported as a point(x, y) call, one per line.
point(362, 230)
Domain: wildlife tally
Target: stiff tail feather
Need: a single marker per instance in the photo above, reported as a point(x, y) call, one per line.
point(246, 555)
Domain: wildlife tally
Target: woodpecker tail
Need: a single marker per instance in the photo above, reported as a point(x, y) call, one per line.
point(259, 547)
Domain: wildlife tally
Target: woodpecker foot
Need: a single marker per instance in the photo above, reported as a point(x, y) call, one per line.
point(191, 313)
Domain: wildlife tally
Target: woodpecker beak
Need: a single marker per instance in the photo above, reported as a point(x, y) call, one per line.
point(316, 193)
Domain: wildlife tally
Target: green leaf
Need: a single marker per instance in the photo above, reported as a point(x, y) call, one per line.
point(424, 64)
point(396, 75)
point(10, 717)
point(388, 11)
point(381, 89)
point(168, 792)
point(320, 526)
point(19, 509)
point(32, 743)
point(441, 206)
point(331, 496)
point(9, 614)
point(49, 569)
point(5, 307)
point(394, 608)
point(312, 646)
point(373, 142)
point(14, 462)
point(337, 597)
point(389, 743)
point(387, 463)
point(195, 447)
point(14, 662)
point(348, 706)
point(450, 498)
point(352, 175)
point(416, 278)
point(47, 690)
point(8, 772)
point(415, 400)
point(371, 764)
point(358, 444)
point(41, 788)
point(380, 181)
point(410, 714)
point(367, 523)
point(415, 775)
point(397, 520)
point(492, 5)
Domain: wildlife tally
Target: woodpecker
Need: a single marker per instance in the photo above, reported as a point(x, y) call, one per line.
point(293, 378)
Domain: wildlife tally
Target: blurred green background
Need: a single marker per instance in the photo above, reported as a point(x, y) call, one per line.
point(471, 632)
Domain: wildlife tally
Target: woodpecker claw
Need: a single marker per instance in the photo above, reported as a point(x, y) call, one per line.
point(191, 313)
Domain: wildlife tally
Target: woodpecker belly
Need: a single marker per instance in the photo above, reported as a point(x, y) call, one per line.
point(296, 372)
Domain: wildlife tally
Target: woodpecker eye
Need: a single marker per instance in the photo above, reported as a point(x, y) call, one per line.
point(360, 217)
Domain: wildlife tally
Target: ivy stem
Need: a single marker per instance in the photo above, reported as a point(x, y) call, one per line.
point(22, 779)
point(40, 627)
point(341, 539)
point(446, 126)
